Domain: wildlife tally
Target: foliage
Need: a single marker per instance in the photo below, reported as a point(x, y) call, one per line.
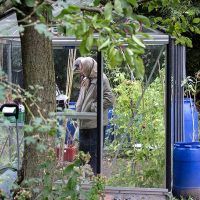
point(60, 180)
point(181, 198)
point(63, 183)
point(178, 18)
point(117, 23)
point(142, 143)
point(66, 182)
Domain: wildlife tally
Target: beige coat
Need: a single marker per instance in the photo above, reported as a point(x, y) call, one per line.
point(89, 103)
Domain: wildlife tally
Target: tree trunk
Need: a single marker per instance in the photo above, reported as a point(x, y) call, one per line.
point(38, 69)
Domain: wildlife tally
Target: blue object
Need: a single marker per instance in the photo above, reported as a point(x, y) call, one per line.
point(190, 121)
point(72, 105)
point(70, 125)
point(110, 115)
point(70, 131)
point(186, 169)
point(110, 127)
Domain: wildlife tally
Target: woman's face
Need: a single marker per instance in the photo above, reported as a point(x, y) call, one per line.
point(81, 68)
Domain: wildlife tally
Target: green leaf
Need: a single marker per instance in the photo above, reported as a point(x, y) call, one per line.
point(52, 131)
point(191, 28)
point(133, 2)
point(197, 30)
point(96, 2)
point(130, 52)
point(138, 51)
point(139, 68)
point(104, 44)
point(118, 7)
point(196, 20)
point(107, 29)
point(18, 1)
point(68, 169)
point(144, 20)
point(129, 11)
point(41, 147)
point(30, 3)
point(150, 7)
point(114, 57)
point(129, 57)
point(89, 41)
point(28, 128)
point(43, 29)
point(191, 12)
point(95, 22)
point(37, 121)
point(29, 140)
point(72, 9)
point(81, 28)
point(108, 11)
point(138, 41)
point(83, 49)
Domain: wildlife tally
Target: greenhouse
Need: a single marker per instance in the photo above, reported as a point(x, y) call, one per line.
point(146, 118)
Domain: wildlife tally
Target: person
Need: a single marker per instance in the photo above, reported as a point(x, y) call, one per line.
point(87, 102)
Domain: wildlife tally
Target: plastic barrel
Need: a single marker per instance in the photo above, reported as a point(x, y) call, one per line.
point(186, 170)
point(190, 121)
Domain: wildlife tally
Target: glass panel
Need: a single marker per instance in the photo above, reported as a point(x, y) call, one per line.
point(134, 138)
point(8, 26)
point(8, 143)
point(79, 86)
point(134, 150)
point(6, 58)
point(17, 71)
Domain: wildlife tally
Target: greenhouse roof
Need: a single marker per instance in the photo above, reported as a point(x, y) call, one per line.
point(9, 29)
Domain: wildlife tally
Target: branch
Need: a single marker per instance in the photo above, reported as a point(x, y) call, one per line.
point(5, 6)
point(90, 9)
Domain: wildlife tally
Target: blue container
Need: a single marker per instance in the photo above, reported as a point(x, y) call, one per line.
point(186, 170)
point(70, 125)
point(190, 121)
point(108, 133)
point(72, 105)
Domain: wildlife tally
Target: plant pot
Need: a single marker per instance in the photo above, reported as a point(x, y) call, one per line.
point(69, 153)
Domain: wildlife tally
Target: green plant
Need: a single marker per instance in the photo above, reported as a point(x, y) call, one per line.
point(58, 180)
point(141, 166)
point(192, 87)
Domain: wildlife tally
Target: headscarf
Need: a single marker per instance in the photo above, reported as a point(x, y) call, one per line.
point(89, 69)
point(77, 63)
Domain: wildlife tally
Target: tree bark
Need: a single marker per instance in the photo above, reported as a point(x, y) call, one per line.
point(38, 69)
point(5, 6)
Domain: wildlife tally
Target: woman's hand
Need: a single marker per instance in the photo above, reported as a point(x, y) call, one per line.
point(94, 107)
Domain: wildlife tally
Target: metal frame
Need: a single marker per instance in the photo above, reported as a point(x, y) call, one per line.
point(174, 74)
point(168, 125)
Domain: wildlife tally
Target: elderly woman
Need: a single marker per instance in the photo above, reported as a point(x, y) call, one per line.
point(87, 102)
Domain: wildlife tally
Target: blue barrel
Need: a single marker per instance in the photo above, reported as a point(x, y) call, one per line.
point(190, 132)
point(186, 170)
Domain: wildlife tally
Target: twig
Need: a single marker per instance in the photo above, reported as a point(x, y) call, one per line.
point(92, 9)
